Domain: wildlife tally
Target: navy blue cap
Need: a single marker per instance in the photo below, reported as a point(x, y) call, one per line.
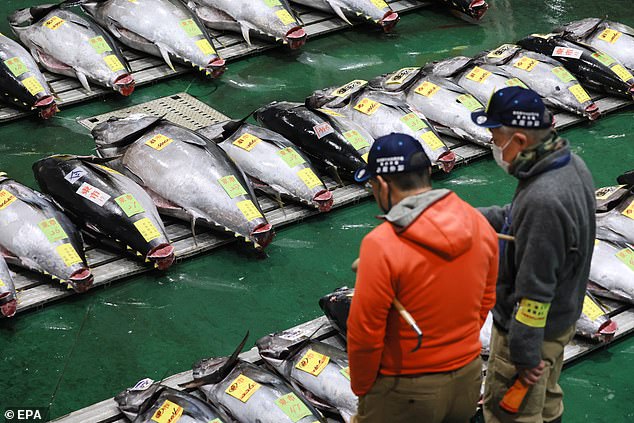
point(391, 154)
point(515, 107)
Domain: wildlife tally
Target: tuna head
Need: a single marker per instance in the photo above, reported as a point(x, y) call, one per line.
point(136, 400)
point(336, 307)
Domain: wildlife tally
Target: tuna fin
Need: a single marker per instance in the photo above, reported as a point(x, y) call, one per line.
point(84, 81)
point(245, 33)
point(166, 56)
point(339, 11)
point(193, 228)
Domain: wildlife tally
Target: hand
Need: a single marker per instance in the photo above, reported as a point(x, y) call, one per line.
point(530, 377)
point(355, 265)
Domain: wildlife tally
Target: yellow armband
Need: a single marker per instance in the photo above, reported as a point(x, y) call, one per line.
point(532, 313)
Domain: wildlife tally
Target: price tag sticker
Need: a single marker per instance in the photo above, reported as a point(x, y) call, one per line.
point(622, 73)
point(216, 420)
point(99, 44)
point(427, 89)
point(356, 139)
point(367, 106)
point(515, 82)
point(365, 157)
point(323, 129)
point(413, 122)
point(190, 28)
point(330, 112)
point(54, 22)
point(232, 186)
point(2, 284)
point(626, 255)
point(6, 199)
point(291, 157)
point(502, 51)
point(205, 47)
point(168, 413)
point(563, 75)
point(285, 17)
point(470, 102)
point(400, 76)
point(16, 66)
point(379, 4)
point(68, 254)
point(580, 94)
point(432, 140)
point(478, 74)
point(606, 192)
point(32, 85)
point(93, 194)
point(293, 407)
point(247, 142)
point(313, 363)
point(129, 205)
point(604, 58)
point(526, 63)
point(345, 372)
point(113, 63)
point(249, 210)
point(242, 388)
point(159, 142)
point(308, 176)
point(272, 3)
point(591, 309)
point(147, 229)
point(609, 35)
point(52, 229)
point(629, 211)
point(567, 52)
point(345, 90)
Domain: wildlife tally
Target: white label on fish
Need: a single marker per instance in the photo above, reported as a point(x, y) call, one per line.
point(75, 175)
point(94, 194)
point(572, 53)
point(323, 129)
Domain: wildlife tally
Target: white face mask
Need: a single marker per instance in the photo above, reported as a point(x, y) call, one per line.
point(498, 155)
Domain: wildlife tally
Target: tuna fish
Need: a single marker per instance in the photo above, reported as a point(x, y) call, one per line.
point(8, 296)
point(617, 225)
point(595, 69)
point(612, 38)
point(318, 370)
point(106, 203)
point(22, 85)
point(336, 307)
point(313, 133)
point(441, 101)
point(613, 271)
point(188, 176)
point(381, 113)
point(594, 322)
point(375, 11)
point(163, 28)
point(36, 235)
point(271, 161)
point(469, 10)
point(251, 394)
point(263, 18)
point(149, 402)
point(545, 75)
point(67, 44)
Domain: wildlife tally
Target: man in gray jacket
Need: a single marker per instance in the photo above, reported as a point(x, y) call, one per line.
point(544, 271)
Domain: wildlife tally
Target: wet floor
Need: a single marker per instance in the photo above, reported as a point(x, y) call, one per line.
point(89, 348)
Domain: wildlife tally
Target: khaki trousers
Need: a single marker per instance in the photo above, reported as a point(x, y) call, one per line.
point(449, 397)
point(544, 400)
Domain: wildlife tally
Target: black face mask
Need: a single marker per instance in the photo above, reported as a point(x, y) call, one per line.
point(389, 200)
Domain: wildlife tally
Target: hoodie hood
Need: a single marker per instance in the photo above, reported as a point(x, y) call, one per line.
point(437, 220)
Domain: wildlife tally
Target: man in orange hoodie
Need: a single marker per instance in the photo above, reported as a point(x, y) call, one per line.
point(439, 257)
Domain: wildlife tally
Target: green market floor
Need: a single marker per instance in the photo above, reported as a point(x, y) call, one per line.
point(88, 348)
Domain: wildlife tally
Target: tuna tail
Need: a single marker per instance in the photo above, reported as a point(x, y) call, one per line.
point(339, 12)
point(222, 372)
point(627, 178)
point(120, 132)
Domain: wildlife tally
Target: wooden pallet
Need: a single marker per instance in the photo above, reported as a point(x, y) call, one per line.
point(231, 46)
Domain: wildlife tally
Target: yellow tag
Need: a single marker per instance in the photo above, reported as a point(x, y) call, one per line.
point(109, 170)
point(626, 255)
point(247, 142)
point(478, 74)
point(205, 47)
point(606, 192)
point(54, 22)
point(427, 89)
point(6, 199)
point(344, 90)
point(308, 176)
point(113, 63)
point(242, 388)
point(591, 309)
point(168, 413)
point(367, 106)
point(622, 73)
point(365, 157)
point(147, 229)
point(68, 254)
point(610, 35)
point(501, 51)
point(532, 313)
point(581, 94)
point(629, 211)
point(32, 85)
point(400, 76)
point(285, 17)
point(2, 283)
point(159, 142)
point(526, 64)
point(313, 362)
point(249, 210)
point(432, 140)
point(329, 112)
point(379, 4)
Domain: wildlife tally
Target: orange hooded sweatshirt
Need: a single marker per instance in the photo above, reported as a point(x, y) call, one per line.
point(439, 257)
